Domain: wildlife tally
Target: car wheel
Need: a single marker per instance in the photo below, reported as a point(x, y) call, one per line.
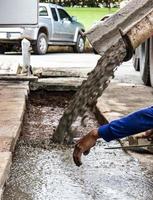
point(80, 45)
point(9, 48)
point(2, 50)
point(41, 45)
point(144, 63)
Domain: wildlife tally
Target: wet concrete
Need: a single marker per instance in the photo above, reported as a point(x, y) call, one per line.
point(45, 171)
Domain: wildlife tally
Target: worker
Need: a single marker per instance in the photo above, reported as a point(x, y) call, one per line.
point(139, 121)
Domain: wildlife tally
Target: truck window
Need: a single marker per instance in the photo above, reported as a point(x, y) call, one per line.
point(43, 11)
point(63, 14)
point(53, 11)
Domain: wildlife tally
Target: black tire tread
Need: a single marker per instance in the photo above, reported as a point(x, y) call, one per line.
point(75, 47)
point(35, 46)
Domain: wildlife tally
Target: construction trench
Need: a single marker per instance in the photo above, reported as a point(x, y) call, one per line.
point(44, 170)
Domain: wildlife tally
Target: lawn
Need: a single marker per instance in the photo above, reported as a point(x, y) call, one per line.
point(89, 16)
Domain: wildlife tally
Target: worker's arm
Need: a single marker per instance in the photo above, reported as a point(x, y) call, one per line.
point(136, 122)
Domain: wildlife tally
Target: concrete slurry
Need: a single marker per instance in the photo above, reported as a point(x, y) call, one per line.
point(12, 106)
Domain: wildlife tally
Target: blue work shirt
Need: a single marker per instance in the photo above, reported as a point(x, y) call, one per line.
point(139, 121)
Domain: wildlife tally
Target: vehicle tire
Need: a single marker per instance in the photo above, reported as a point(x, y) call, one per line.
point(41, 45)
point(2, 49)
point(80, 44)
point(151, 61)
point(9, 48)
point(136, 59)
point(144, 63)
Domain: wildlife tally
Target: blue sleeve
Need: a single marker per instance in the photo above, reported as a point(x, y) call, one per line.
point(131, 124)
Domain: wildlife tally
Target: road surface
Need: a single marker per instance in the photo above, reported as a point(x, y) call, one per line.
point(83, 63)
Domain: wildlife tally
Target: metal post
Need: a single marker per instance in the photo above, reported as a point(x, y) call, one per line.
point(26, 56)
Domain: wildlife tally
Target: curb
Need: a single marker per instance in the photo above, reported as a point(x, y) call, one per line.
point(12, 108)
point(57, 84)
point(6, 161)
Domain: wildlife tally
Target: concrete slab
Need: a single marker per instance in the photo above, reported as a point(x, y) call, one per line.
point(10, 93)
point(9, 67)
point(57, 84)
point(120, 99)
point(10, 130)
point(6, 144)
point(56, 73)
point(5, 163)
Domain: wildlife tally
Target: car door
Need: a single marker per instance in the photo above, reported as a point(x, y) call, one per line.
point(56, 26)
point(45, 20)
point(67, 28)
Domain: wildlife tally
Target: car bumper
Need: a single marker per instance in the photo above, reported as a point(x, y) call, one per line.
point(11, 36)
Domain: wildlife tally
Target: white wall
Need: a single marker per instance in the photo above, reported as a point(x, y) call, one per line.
point(15, 12)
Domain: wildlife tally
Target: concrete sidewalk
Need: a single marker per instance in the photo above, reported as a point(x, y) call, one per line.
point(120, 99)
point(12, 106)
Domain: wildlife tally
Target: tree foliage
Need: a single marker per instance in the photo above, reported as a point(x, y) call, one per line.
point(83, 3)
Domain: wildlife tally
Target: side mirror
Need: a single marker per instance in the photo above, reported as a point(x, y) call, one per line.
point(74, 18)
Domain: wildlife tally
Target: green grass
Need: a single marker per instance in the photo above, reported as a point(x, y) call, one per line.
point(88, 16)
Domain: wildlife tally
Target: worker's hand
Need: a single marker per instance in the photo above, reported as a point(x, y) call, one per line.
point(84, 145)
point(146, 135)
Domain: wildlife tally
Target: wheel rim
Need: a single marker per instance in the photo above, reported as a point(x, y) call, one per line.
point(42, 45)
point(81, 44)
